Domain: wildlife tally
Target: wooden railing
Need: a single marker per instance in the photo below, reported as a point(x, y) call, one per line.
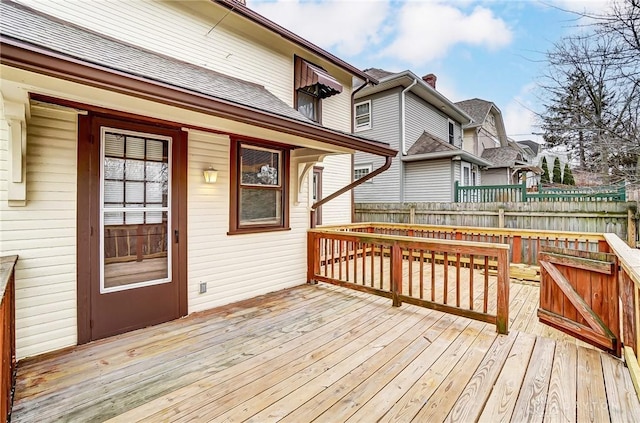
point(7, 334)
point(470, 279)
point(629, 283)
point(135, 242)
point(525, 244)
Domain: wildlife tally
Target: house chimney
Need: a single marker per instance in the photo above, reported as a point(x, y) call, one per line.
point(430, 79)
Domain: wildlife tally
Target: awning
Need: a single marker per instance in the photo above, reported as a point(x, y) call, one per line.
point(315, 80)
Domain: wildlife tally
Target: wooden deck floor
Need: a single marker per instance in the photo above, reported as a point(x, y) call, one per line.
point(326, 354)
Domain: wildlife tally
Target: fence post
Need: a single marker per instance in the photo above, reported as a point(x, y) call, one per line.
point(501, 218)
point(524, 191)
point(631, 228)
point(396, 274)
point(313, 256)
point(456, 197)
point(502, 315)
point(412, 215)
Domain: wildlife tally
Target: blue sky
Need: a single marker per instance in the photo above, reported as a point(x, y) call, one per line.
point(490, 49)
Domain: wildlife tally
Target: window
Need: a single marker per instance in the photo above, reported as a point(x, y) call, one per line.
point(363, 116)
point(259, 187)
point(309, 105)
point(360, 171)
point(451, 137)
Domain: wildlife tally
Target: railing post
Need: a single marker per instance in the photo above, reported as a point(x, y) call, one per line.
point(313, 256)
point(502, 315)
point(456, 196)
point(7, 334)
point(396, 273)
point(524, 192)
point(517, 249)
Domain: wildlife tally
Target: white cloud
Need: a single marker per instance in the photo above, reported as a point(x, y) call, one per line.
point(520, 120)
point(428, 30)
point(346, 27)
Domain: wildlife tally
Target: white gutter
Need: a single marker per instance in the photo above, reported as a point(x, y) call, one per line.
point(403, 139)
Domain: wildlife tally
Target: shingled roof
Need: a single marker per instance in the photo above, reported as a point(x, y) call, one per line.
point(23, 24)
point(377, 73)
point(477, 108)
point(428, 143)
point(503, 156)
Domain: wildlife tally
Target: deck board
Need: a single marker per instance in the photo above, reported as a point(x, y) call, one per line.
point(324, 353)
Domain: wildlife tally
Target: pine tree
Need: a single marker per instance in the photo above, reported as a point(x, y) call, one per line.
point(544, 178)
point(557, 173)
point(568, 176)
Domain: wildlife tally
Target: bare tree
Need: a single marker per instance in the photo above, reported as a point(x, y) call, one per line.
point(592, 93)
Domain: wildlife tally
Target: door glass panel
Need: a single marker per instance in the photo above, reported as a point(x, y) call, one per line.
point(135, 216)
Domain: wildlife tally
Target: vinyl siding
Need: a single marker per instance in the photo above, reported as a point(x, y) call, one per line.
point(203, 34)
point(496, 176)
point(428, 181)
point(277, 259)
point(234, 48)
point(385, 127)
point(336, 174)
point(421, 117)
point(43, 233)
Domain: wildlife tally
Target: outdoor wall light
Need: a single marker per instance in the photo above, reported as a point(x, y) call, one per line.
point(210, 175)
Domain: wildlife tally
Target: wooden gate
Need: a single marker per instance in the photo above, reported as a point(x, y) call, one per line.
point(579, 295)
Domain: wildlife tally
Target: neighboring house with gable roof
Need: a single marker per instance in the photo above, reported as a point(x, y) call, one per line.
point(409, 114)
point(158, 159)
point(486, 137)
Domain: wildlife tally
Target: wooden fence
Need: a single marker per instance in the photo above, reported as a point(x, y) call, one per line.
point(605, 217)
point(7, 334)
point(470, 279)
point(519, 193)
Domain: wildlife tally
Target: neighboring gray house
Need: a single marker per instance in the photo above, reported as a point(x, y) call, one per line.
point(407, 112)
point(486, 137)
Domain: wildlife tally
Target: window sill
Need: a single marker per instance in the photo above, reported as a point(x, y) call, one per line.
point(242, 231)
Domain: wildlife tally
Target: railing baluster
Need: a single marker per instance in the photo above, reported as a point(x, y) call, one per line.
point(486, 284)
point(433, 275)
point(410, 272)
point(457, 279)
point(446, 278)
point(421, 274)
point(471, 266)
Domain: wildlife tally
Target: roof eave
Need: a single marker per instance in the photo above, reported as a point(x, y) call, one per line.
point(257, 18)
point(396, 80)
point(447, 154)
point(39, 60)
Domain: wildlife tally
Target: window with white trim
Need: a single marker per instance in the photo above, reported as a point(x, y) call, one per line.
point(362, 170)
point(363, 115)
point(451, 133)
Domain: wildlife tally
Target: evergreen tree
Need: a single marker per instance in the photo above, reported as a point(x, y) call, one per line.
point(544, 178)
point(568, 176)
point(557, 173)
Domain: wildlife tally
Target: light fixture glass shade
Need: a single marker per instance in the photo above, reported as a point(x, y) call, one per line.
point(210, 176)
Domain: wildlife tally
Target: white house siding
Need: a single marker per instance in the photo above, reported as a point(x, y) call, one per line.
point(496, 176)
point(234, 47)
point(251, 54)
point(385, 120)
point(425, 181)
point(238, 266)
point(43, 233)
point(336, 174)
point(421, 117)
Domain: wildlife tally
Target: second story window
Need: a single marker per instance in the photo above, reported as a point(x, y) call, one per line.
point(309, 105)
point(312, 83)
point(451, 135)
point(363, 116)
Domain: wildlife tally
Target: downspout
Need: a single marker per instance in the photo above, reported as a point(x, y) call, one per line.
point(403, 135)
point(353, 156)
point(349, 187)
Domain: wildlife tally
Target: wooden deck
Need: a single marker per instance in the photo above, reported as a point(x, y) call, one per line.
point(327, 354)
